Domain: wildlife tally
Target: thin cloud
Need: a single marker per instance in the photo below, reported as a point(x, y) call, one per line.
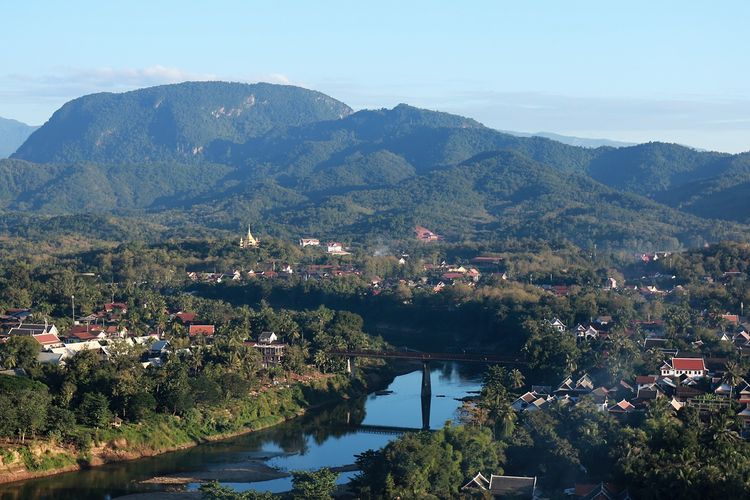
point(34, 98)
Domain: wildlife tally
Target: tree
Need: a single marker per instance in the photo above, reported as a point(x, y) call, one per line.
point(23, 406)
point(314, 485)
point(515, 379)
point(553, 353)
point(732, 376)
point(94, 410)
point(212, 490)
point(19, 352)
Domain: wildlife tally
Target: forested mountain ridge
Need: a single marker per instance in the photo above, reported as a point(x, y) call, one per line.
point(171, 122)
point(12, 134)
point(306, 164)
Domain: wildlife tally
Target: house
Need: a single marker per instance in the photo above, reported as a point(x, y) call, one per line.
point(732, 319)
point(267, 338)
point(158, 348)
point(502, 486)
point(31, 329)
point(335, 248)
point(621, 407)
point(83, 333)
point(690, 367)
point(565, 387)
point(487, 261)
point(185, 317)
point(48, 340)
point(51, 358)
point(744, 417)
point(309, 242)
point(116, 307)
point(272, 353)
point(425, 235)
point(557, 325)
point(584, 384)
point(645, 380)
point(586, 333)
point(206, 330)
point(600, 395)
point(522, 402)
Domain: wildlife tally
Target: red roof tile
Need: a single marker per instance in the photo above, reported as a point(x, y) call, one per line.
point(201, 329)
point(692, 364)
point(47, 339)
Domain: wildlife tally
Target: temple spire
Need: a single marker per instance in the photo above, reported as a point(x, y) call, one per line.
point(248, 241)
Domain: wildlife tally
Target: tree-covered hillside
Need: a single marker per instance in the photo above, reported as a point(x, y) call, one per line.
point(171, 122)
point(216, 156)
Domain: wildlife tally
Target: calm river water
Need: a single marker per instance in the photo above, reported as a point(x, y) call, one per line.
point(328, 437)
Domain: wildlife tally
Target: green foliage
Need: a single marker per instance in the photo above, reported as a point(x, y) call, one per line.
point(94, 410)
point(428, 464)
point(23, 407)
point(313, 485)
point(214, 491)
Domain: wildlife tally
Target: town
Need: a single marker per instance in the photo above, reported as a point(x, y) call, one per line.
point(617, 335)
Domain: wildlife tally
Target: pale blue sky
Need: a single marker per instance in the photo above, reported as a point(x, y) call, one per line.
point(677, 71)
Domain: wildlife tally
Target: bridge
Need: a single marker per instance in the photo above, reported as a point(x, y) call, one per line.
point(430, 356)
point(425, 358)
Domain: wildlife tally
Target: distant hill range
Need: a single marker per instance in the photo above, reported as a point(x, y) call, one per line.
point(12, 134)
point(583, 142)
point(293, 161)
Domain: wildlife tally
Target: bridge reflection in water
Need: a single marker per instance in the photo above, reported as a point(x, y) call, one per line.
point(425, 358)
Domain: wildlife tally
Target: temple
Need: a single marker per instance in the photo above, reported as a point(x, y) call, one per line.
point(248, 241)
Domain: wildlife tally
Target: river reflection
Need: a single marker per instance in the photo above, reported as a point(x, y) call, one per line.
point(328, 437)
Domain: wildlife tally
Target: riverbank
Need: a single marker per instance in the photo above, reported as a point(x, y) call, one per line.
point(165, 433)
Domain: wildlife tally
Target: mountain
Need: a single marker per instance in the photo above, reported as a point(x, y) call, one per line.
point(171, 122)
point(723, 196)
point(494, 195)
point(305, 164)
point(12, 134)
point(583, 142)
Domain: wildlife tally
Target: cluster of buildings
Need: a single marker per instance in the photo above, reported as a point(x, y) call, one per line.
point(104, 329)
point(599, 328)
point(682, 380)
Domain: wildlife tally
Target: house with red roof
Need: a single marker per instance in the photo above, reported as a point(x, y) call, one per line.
point(690, 367)
point(185, 317)
point(116, 306)
point(424, 234)
point(48, 340)
point(207, 330)
point(621, 407)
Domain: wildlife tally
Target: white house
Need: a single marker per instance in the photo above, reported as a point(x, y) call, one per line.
point(690, 367)
point(557, 325)
point(309, 242)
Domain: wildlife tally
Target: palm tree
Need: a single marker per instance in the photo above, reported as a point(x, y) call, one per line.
point(516, 379)
point(732, 376)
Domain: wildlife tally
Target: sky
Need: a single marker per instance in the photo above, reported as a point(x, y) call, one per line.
point(636, 71)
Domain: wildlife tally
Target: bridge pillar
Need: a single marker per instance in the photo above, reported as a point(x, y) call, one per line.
point(426, 395)
point(350, 365)
point(426, 383)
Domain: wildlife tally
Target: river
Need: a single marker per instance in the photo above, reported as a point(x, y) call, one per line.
point(328, 437)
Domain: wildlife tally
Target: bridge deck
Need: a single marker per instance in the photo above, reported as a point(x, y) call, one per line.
point(430, 356)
